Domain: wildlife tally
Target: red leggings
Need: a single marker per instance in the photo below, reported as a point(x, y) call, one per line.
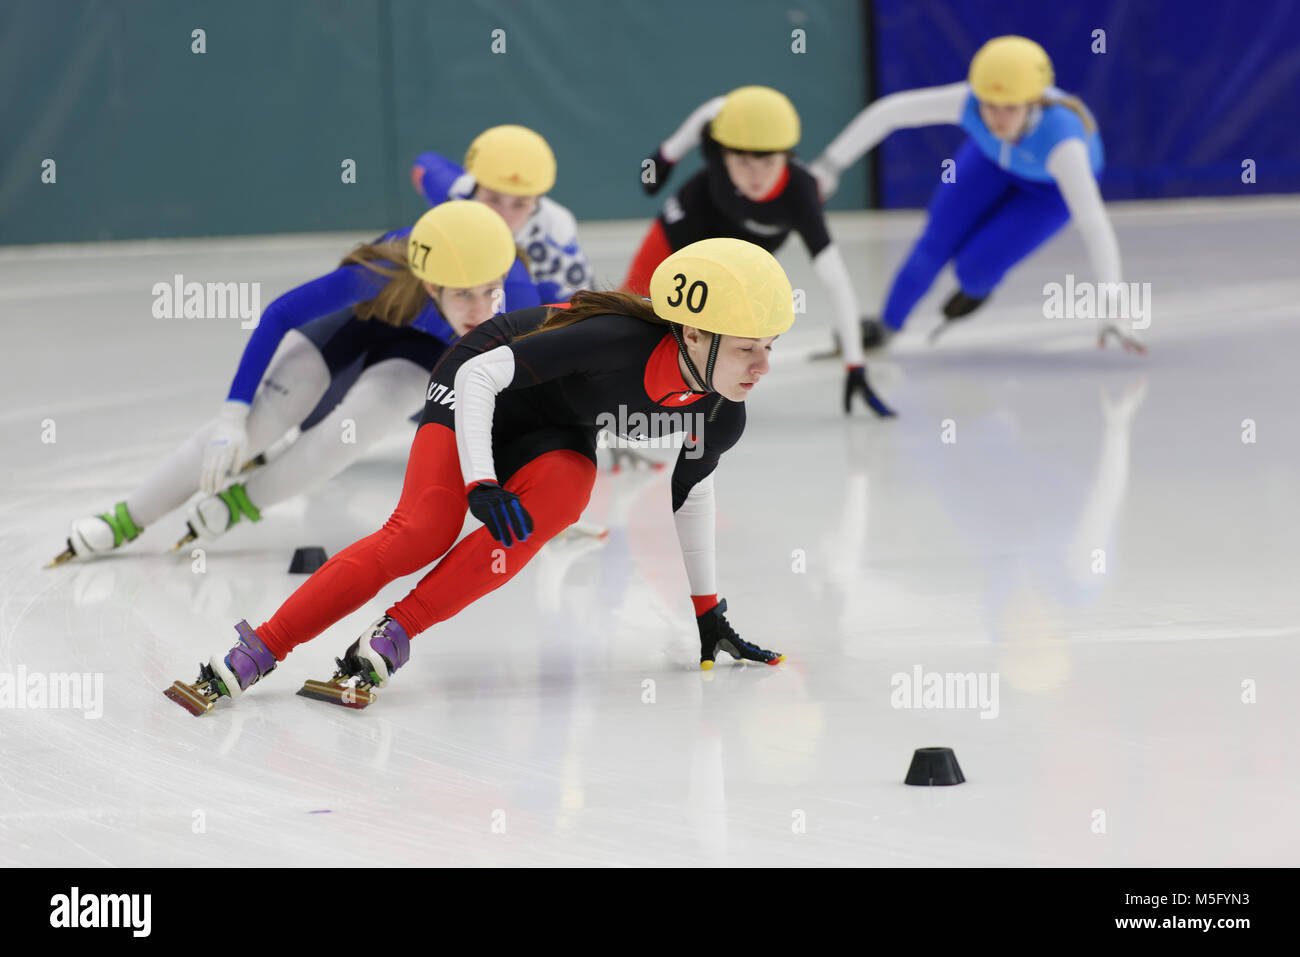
point(654, 250)
point(554, 488)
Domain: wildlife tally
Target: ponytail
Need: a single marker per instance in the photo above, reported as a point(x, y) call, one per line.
point(1075, 104)
point(587, 303)
point(403, 297)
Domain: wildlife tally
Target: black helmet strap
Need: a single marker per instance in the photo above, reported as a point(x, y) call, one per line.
point(705, 380)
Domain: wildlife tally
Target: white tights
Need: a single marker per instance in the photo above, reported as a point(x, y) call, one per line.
point(383, 397)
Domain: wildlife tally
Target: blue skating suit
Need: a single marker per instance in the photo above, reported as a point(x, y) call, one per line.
point(1003, 205)
point(323, 311)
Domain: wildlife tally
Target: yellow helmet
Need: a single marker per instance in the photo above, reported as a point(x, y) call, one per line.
point(1010, 70)
point(513, 160)
point(757, 119)
point(461, 244)
point(726, 286)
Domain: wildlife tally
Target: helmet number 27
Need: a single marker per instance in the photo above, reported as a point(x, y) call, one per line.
point(690, 293)
point(417, 246)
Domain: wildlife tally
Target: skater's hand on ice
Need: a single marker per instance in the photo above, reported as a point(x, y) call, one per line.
point(499, 509)
point(1130, 343)
point(855, 383)
point(716, 634)
point(655, 175)
point(827, 179)
point(227, 447)
point(417, 178)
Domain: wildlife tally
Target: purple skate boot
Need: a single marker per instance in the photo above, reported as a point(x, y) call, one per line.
point(247, 662)
point(368, 663)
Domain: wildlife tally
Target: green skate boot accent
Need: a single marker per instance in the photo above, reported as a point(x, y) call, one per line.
point(123, 526)
point(236, 499)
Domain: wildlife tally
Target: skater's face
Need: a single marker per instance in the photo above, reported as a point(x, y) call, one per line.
point(466, 309)
point(1006, 122)
point(740, 364)
point(515, 210)
point(754, 174)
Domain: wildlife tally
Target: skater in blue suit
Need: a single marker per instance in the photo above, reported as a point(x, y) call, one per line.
point(1029, 167)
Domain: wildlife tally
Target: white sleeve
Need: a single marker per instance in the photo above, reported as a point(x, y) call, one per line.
point(924, 107)
point(695, 521)
point(1068, 164)
point(830, 268)
point(478, 383)
point(688, 134)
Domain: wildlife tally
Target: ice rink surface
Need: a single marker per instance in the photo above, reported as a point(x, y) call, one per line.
point(1112, 539)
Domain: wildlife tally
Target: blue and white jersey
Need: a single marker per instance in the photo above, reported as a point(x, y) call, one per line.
point(1048, 126)
point(558, 265)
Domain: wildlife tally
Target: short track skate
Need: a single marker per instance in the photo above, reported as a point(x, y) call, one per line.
point(347, 688)
point(199, 697)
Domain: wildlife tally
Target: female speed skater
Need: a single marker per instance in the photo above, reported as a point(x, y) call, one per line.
point(509, 434)
point(398, 303)
point(510, 168)
point(1029, 167)
point(751, 188)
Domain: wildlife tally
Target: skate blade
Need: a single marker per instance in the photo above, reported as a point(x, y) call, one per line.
point(190, 698)
point(62, 558)
point(336, 692)
point(190, 536)
point(587, 530)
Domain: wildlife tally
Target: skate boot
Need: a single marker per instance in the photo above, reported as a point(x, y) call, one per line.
point(213, 515)
point(875, 334)
point(716, 634)
point(246, 663)
point(97, 534)
point(958, 306)
point(368, 663)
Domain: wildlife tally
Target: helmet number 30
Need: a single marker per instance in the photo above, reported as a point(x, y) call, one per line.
point(691, 304)
point(417, 248)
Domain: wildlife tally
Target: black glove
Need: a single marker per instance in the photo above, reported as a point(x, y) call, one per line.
point(500, 511)
point(855, 383)
point(717, 634)
point(660, 168)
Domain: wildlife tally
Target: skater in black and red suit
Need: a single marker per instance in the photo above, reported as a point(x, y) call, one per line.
point(509, 434)
point(751, 188)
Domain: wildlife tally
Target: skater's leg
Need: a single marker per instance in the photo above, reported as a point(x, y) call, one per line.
point(380, 401)
point(294, 382)
point(956, 210)
point(554, 488)
point(424, 525)
point(1027, 220)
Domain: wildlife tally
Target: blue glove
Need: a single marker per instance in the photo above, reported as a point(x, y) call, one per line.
point(500, 511)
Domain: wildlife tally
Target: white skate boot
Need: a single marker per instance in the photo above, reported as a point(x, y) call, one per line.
point(98, 534)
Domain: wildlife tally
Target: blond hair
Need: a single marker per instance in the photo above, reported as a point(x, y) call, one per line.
point(403, 297)
point(1075, 104)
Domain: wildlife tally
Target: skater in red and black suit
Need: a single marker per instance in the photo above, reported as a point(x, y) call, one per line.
point(509, 434)
point(751, 188)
